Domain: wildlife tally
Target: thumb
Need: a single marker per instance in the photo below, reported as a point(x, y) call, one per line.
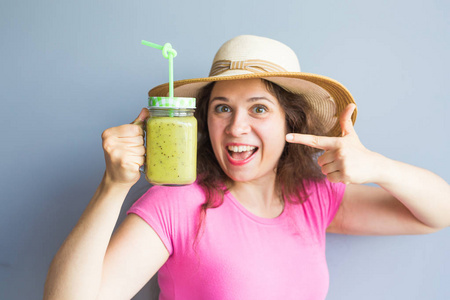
point(346, 119)
point(143, 115)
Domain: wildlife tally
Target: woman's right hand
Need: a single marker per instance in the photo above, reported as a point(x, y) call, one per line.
point(124, 151)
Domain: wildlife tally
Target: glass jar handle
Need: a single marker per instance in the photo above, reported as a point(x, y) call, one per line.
point(143, 124)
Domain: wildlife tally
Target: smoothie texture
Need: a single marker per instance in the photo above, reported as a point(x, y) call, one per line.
point(171, 150)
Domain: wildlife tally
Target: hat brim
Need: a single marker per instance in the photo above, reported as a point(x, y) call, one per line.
point(327, 96)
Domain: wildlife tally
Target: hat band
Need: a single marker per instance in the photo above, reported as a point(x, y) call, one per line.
point(252, 65)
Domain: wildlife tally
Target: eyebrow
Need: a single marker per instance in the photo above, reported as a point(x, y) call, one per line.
point(252, 99)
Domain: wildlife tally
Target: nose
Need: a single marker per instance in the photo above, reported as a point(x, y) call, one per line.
point(239, 124)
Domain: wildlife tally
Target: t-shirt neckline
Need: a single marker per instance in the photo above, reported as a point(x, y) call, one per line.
point(258, 219)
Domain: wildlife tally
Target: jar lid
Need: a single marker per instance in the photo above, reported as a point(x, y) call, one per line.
point(171, 102)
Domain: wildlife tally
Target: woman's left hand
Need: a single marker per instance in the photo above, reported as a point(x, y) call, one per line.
point(345, 158)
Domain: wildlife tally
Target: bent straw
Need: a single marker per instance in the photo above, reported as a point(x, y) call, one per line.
point(169, 53)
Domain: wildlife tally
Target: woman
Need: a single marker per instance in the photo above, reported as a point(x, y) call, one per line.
point(280, 164)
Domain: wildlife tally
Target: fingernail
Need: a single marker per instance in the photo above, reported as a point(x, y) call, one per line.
point(289, 137)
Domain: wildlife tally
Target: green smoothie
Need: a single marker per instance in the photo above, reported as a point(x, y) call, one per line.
point(171, 150)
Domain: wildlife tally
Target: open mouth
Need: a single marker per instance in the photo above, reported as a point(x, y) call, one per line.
point(241, 152)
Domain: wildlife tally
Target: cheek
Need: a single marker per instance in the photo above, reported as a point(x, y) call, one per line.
point(274, 136)
point(275, 129)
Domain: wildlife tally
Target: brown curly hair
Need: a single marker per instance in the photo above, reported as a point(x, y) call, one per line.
point(296, 164)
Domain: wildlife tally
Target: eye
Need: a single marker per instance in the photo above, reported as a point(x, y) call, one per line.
point(222, 108)
point(259, 109)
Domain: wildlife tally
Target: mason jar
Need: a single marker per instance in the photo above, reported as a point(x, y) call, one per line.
point(171, 141)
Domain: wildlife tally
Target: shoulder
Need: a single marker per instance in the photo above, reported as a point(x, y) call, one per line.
point(325, 198)
point(170, 198)
point(185, 192)
point(171, 211)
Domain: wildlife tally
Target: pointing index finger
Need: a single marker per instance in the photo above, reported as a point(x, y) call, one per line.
point(315, 141)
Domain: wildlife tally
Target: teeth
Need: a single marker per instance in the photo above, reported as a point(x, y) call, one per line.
point(241, 148)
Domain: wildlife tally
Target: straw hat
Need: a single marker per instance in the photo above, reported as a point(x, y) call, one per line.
point(248, 56)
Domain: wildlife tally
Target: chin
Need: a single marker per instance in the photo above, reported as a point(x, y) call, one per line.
point(248, 176)
point(239, 176)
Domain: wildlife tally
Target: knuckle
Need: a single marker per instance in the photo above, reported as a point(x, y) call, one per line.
point(131, 128)
point(107, 145)
point(115, 154)
point(106, 133)
point(315, 141)
point(129, 166)
point(320, 161)
point(340, 143)
point(340, 155)
point(346, 180)
point(124, 164)
point(135, 129)
point(332, 178)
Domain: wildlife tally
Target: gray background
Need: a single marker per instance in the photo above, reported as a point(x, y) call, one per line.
point(71, 69)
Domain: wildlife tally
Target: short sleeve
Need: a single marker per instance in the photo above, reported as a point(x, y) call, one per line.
point(324, 199)
point(335, 193)
point(169, 211)
point(151, 207)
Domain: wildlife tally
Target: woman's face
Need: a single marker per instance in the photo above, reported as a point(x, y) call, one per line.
point(247, 129)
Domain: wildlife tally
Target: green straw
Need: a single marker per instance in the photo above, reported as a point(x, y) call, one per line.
point(169, 53)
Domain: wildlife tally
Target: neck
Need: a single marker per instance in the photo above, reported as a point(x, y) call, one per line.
point(260, 197)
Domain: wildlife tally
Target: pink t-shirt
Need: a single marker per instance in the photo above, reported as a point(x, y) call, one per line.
point(240, 255)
